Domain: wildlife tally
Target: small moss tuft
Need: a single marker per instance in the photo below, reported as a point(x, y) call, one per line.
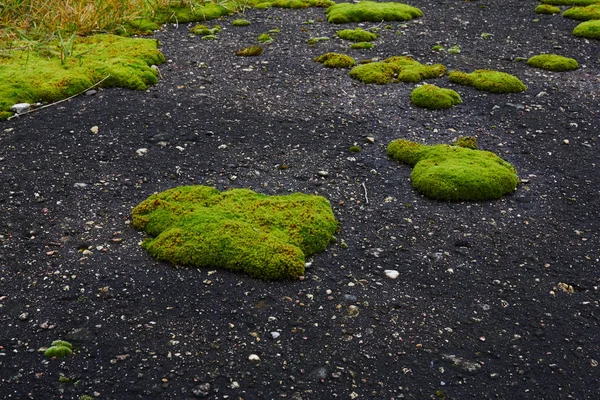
point(59, 349)
point(468, 142)
point(316, 40)
point(265, 38)
point(453, 173)
point(433, 97)
point(588, 29)
point(362, 45)
point(547, 9)
point(583, 13)
point(267, 237)
point(366, 11)
point(553, 62)
point(251, 51)
point(396, 69)
point(355, 149)
point(336, 60)
point(489, 81)
point(204, 30)
point(357, 35)
point(240, 22)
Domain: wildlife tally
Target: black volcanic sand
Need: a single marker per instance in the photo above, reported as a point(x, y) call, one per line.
point(482, 307)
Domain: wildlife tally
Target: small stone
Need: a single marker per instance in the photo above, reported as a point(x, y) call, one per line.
point(370, 139)
point(566, 141)
point(80, 185)
point(353, 311)
point(94, 129)
point(202, 390)
point(223, 146)
point(324, 174)
point(24, 316)
point(253, 357)
point(91, 92)
point(21, 108)
point(391, 273)
point(141, 152)
point(275, 335)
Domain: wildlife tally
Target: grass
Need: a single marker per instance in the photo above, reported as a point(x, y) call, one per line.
point(396, 69)
point(267, 237)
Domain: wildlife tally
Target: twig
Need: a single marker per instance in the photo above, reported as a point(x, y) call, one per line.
point(61, 101)
point(366, 196)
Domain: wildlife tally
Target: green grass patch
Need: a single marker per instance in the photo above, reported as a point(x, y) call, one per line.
point(454, 173)
point(290, 3)
point(336, 60)
point(396, 69)
point(547, 9)
point(362, 45)
point(489, 81)
point(357, 35)
point(370, 11)
point(267, 237)
point(433, 97)
point(56, 71)
point(553, 62)
point(583, 13)
point(588, 29)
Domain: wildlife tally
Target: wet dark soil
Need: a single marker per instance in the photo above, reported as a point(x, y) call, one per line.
point(493, 299)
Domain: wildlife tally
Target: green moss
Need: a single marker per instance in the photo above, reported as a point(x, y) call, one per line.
point(468, 142)
point(265, 38)
point(267, 237)
point(182, 13)
point(357, 35)
point(335, 60)
point(366, 11)
point(547, 9)
point(240, 22)
point(489, 81)
point(290, 3)
point(433, 97)
point(454, 49)
point(588, 29)
point(396, 69)
point(438, 47)
point(316, 40)
point(583, 13)
point(455, 173)
point(251, 51)
point(355, 149)
point(4, 115)
point(59, 349)
point(204, 30)
point(140, 26)
point(570, 2)
point(41, 76)
point(362, 45)
point(553, 62)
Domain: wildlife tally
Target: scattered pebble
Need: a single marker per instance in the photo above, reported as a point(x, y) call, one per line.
point(253, 357)
point(391, 273)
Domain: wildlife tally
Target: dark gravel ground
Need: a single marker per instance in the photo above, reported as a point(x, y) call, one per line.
point(481, 307)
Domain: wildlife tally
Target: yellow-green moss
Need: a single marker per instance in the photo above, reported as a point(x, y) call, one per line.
point(316, 40)
point(265, 38)
point(434, 98)
point(466, 141)
point(205, 30)
point(454, 173)
point(489, 81)
point(362, 45)
point(251, 51)
point(40, 76)
point(553, 62)
point(290, 3)
point(336, 60)
point(59, 349)
point(588, 29)
point(570, 2)
point(583, 13)
point(396, 69)
point(267, 237)
point(141, 26)
point(184, 13)
point(366, 11)
point(357, 35)
point(547, 9)
point(240, 22)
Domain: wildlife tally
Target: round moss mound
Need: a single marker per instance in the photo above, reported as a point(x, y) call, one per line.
point(396, 69)
point(357, 35)
point(454, 173)
point(267, 237)
point(547, 9)
point(588, 29)
point(489, 81)
point(553, 62)
point(569, 2)
point(370, 11)
point(433, 97)
point(240, 22)
point(583, 13)
point(336, 60)
point(59, 349)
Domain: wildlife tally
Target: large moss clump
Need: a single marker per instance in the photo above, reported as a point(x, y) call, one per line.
point(267, 237)
point(588, 29)
point(47, 74)
point(396, 69)
point(553, 62)
point(336, 60)
point(433, 97)
point(489, 81)
point(455, 173)
point(290, 3)
point(366, 11)
point(357, 35)
point(583, 13)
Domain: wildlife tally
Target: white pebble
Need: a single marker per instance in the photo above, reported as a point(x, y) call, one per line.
point(253, 357)
point(391, 273)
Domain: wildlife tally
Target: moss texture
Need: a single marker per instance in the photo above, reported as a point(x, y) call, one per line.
point(466, 141)
point(290, 3)
point(454, 173)
point(357, 35)
point(265, 38)
point(59, 349)
point(569, 2)
point(316, 40)
point(205, 30)
point(553, 62)
point(433, 97)
point(140, 26)
point(336, 60)
point(362, 45)
point(46, 76)
point(588, 29)
point(547, 9)
point(267, 237)
point(489, 81)
point(583, 13)
point(184, 13)
point(366, 11)
point(396, 69)
point(240, 22)
point(251, 51)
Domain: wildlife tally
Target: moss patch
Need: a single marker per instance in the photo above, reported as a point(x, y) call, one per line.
point(396, 69)
point(44, 76)
point(583, 13)
point(140, 26)
point(362, 45)
point(569, 2)
point(547, 9)
point(205, 30)
point(553, 62)
point(357, 35)
point(240, 22)
point(433, 97)
point(59, 349)
point(366, 11)
point(454, 173)
point(182, 13)
point(316, 40)
point(336, 60)
point(489, 81)
point(251, 51)
point(267, 237)
point(466, 141)
point(290, 3)
point(265, 38)
point(588, 29)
